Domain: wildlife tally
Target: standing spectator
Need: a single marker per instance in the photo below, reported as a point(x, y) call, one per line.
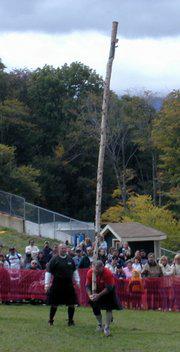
point(111, 253)
point(166, 288)
point(86, 259)
point(112, 266)
point(143, 257)
point(34, 265)
point(128, 269)
point(126, 251)
point(4, 261)
point(41, 260)
point(152, 270)
point(55, 250)
point(102, 243)
point(87, 243)
point(77, 257)
point(137, 264)
point(1, 247)
point(176, 285)
point(102, 255)
point(176, 265)
point(62, 291)
point(14, 258)
point(119, 272)
point(166, 268)
point(27, 261)
point(34, 250)
point(136, 289)
point(47, 251)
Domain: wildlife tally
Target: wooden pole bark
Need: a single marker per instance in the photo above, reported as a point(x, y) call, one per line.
point(103, 143)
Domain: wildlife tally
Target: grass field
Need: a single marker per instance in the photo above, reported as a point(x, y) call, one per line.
point(24, 328)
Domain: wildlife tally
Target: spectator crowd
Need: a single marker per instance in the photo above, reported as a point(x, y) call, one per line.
point(121, 261)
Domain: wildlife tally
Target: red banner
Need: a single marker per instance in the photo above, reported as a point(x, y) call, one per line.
point(156, 293)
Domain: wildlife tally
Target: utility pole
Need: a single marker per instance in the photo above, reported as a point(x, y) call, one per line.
point(102, 146)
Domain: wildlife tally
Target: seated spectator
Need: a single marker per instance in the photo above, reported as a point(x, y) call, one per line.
point(34, 250)
point(176, 265)
point(119, 272)
point(102, 255)
point(102, 243)
point(151, 268)
point(4, 261)
point(77, 257)
point(143, 257)
point(14, 258)
point(137, 264)
point(128, 269)
point(41, 260)
point(34, 265)
point(166, 268)
point(47, 251)
point(86, 259)
point(112, 265)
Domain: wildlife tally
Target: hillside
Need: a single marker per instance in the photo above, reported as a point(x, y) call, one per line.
point(9, 237)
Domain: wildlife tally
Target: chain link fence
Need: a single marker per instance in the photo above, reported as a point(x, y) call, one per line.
point(42, 222)
point(12, 204)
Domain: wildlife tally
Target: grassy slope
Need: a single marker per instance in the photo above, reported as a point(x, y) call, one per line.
point(24, 328)
point(11, 237)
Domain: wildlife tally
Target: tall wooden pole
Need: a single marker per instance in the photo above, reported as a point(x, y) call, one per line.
point(103, 142)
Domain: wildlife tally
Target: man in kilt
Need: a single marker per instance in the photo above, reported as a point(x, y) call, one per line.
point(105, 297)
point(62, 291)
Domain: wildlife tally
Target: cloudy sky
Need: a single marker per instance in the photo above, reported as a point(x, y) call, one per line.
point(38, 32)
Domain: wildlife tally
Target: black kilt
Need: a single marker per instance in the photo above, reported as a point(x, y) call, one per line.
point(107, 302)
point(61, 292)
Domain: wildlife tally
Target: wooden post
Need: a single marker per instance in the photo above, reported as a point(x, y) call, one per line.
point(103, 143)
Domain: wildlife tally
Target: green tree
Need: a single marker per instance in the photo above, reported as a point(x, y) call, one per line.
point(166, 138)
point(3, 82)
point(141, 209)
point(21, 180)
point(17, 129)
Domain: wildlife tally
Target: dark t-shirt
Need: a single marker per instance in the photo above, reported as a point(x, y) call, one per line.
point(61, 267)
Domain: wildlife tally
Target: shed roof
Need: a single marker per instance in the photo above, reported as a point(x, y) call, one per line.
point(133, 231)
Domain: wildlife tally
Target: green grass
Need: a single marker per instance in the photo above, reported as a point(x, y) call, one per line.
point(11, 237)
point(24, 328)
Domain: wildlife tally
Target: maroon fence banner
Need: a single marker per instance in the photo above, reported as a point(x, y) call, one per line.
point(156, 293)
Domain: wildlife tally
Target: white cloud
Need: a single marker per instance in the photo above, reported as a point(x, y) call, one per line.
point(149, 63)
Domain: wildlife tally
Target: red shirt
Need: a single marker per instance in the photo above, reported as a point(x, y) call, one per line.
point(103, 280)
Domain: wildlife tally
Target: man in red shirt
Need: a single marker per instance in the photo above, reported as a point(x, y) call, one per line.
point(105, 297)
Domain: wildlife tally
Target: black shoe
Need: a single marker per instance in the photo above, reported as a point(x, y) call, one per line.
point(71, 322)
point(51, 322)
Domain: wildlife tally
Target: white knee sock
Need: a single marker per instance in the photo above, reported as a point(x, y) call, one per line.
point(108, 318)
point(99, 319)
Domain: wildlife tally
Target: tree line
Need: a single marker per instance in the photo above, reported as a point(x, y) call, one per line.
point(49, 141)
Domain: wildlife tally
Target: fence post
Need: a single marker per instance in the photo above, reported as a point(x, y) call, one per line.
point(39, 221)
point(10, 205)
point(54, 221)
point(24, 216)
